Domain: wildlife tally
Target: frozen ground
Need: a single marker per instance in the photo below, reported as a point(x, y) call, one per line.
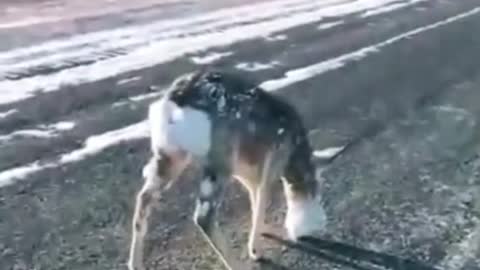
point(400, 78)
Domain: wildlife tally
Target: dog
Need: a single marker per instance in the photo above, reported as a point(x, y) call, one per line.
point(231, 128)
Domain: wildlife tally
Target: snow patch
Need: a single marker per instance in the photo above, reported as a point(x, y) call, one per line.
point(210, 58)
point(27, 22)
point(42, 131)
point(276, 38)
point(93, 145)
point(256, 66)
point(329, 25)
point(389, 8)
point(451, 109)
point(27, 133)
point(136, 99)
point(5, 114)
point(98, 143)
point(129, 80)
point(328, 153)
point(9, 177)
point(63, 125)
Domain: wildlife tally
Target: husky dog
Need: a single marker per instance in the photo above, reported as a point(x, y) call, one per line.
point(232, 129)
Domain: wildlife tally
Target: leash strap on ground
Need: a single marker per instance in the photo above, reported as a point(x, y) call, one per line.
point(307, 248)
point(331, 251)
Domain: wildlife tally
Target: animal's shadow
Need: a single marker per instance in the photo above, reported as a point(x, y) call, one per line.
point(346, 255)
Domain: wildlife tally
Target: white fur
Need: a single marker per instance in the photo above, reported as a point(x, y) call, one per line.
point(149, 171)
point(201, 210)
point(304, 218)
point(206, 188)
point(176, 128)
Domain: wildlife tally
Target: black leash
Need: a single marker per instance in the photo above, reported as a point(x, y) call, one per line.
point(354, 255)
